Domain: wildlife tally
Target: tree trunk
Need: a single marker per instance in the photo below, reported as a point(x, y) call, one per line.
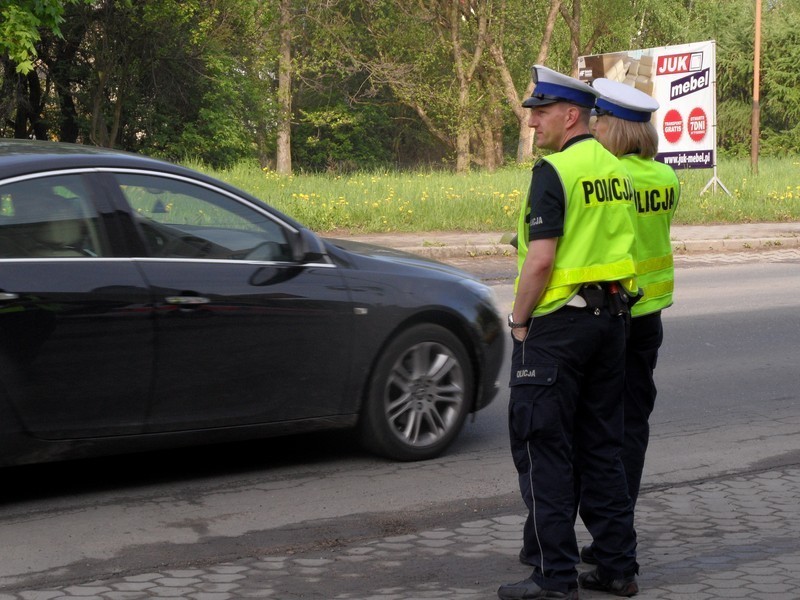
point(490, 141)
point(97, 127)
point(574, 24)
point(525, 139)
point(65, 56)
point(112, 135)
point(23, 110)
point(525, 144)
point(463, 157)
point(464, 74)
point(284, 144)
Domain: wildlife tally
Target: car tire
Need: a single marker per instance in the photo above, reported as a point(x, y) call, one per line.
point(419, 395)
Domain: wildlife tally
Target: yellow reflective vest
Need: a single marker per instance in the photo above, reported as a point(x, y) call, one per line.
point(657, 193)
point(599, 225)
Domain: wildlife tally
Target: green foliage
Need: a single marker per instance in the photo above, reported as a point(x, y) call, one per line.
point(375, 82)
point(20, 21)
point(660, 23)
point(780, 108)
point(343, 138)
point(734, 118)
point(218, 136)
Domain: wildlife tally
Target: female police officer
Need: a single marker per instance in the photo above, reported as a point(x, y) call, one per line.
point(624, 126)
point(576, 265)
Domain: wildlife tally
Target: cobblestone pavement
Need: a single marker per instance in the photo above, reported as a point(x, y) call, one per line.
point(732, 537)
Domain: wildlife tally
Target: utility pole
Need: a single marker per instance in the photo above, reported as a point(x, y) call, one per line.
point(755, 132)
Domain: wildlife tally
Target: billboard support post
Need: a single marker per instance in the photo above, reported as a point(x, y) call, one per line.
point(713, 183)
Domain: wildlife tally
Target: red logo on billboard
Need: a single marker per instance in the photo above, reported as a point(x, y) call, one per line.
point(697, 124)
point(672, 126)
point(679, 63)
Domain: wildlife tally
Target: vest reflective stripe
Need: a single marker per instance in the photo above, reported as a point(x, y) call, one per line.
point(654, 264)
point(657, 290)
point(563, 292)
point(619, 270)
point(599, 204)
point(657, 194)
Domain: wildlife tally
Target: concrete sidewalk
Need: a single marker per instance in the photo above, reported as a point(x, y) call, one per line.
point(688, 239)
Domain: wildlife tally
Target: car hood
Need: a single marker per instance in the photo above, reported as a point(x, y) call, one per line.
point(392, 256)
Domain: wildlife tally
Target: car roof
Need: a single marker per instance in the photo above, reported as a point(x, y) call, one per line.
point(19, 157)
point(25, 157)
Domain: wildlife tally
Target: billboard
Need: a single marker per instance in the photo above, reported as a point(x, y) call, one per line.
point(683, 80)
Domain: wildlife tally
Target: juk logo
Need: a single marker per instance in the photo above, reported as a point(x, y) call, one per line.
point(679, 63)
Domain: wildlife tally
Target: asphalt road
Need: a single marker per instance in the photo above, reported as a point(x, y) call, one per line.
point(727, 375)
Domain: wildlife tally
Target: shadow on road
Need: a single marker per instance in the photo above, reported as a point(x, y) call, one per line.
point(85, 476)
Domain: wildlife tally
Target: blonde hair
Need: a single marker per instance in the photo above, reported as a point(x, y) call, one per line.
point(629, 137)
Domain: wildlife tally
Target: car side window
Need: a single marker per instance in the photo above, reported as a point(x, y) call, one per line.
point(49, 217)
point(178, 219)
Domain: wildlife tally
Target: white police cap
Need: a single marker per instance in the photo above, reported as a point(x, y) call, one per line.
point(552, 86)
point(623, 101)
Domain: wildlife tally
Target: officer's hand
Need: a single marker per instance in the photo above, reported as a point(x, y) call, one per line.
point(519, 333)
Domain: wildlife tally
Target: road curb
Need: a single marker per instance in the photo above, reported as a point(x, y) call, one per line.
point(686, 240)
point(478, 250)
point(736, 244)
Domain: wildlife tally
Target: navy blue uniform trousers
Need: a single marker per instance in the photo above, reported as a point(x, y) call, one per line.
point(566, 415)
point(641, 355)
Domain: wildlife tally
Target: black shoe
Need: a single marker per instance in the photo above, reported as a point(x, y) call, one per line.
point(625, 586)
point(525, 589)
point(524, 559)
point(587, 555)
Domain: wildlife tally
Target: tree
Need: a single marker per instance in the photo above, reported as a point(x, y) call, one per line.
point(171, 79)
point(454, 17)
point(430, 65)
point(780, 116)
point(428, 54)
point(284, 149)
point(350, 84)
point(20, 24)
point(496, 47)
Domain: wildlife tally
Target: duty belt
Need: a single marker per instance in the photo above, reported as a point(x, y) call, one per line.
point(596, 296)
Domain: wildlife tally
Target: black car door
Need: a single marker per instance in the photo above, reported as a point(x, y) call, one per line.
point(76, 327)
point(246, 333)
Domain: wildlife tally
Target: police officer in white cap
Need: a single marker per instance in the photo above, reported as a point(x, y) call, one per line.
point(576, 238)
point(624, 126)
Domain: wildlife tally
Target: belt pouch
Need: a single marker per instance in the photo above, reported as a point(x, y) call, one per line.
point(595, 297)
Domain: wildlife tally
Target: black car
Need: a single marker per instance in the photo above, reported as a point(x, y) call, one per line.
point(144, 305)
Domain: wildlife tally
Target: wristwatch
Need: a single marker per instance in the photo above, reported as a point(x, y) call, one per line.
point(514, 325)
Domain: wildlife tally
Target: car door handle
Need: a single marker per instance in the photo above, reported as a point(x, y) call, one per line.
point(4, 296)
point(186, 300)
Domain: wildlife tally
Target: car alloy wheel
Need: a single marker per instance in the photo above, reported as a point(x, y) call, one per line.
point(420, 395)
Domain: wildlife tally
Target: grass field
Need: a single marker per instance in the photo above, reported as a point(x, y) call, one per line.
point(440, 201)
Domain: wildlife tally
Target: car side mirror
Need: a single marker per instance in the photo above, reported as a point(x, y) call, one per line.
point(307, 247)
